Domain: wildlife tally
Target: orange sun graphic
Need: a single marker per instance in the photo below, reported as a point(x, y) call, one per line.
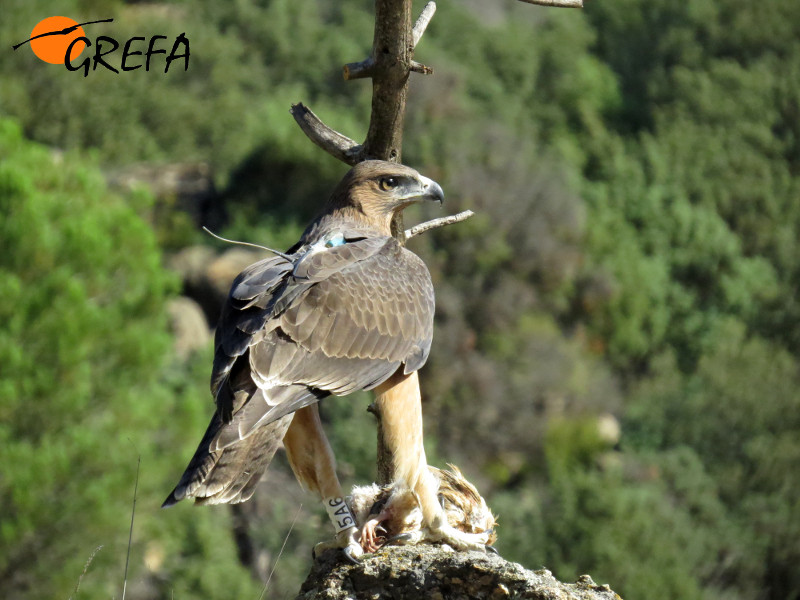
point(52, 48)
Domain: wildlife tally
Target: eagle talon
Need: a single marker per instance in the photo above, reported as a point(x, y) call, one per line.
point(345, 541)
point(353, 553)
point(411, 537)
point(491, 549)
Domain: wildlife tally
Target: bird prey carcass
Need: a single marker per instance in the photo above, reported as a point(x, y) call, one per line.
point(347, 308)
point(392, 513)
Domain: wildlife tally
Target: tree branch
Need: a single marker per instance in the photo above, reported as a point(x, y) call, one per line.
point(420, 68)
point(392, 53)
point(422, 23)
point(557, 3)
point(440, 222)
point(334, 143)
point(359, 70)
point(388, 65)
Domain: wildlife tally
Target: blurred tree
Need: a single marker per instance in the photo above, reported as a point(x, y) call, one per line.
point(83, 348)
point(739, 415)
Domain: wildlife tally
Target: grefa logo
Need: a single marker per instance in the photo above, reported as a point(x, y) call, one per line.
point(61, 40)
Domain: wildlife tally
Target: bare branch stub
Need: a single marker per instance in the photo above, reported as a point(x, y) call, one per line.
point(557, 3)
point(420, 68)
point(333, 142)
point(359, 70)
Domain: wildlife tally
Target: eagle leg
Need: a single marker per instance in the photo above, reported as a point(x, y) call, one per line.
point(399, 403)
point(314, 465)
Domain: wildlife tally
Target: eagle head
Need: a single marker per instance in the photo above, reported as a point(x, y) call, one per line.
point(377, 190)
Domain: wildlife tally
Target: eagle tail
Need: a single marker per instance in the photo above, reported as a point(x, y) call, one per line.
point(232, 457)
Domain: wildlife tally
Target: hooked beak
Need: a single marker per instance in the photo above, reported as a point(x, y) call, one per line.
point(431, 190)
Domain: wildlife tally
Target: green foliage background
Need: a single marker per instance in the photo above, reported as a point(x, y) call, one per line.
point(635, 168)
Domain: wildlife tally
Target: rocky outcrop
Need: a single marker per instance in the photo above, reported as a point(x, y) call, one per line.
point(430, 571)
point(207, 275)
point(188, 326)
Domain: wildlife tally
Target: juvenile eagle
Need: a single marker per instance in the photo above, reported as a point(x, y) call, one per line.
point(347, 308)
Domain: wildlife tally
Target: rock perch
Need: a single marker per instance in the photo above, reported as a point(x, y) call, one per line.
point(429, 571)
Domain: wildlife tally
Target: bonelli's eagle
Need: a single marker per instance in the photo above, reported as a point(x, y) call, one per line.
point(347, 308)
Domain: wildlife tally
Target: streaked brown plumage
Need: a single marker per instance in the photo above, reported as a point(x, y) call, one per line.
point(394, 512)
point(344, 311)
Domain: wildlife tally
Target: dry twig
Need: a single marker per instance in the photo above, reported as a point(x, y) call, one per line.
point(422, 22)
point(440, 222)
point(359, 70)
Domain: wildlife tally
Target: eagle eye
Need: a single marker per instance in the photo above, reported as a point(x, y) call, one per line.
point(388, 183)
